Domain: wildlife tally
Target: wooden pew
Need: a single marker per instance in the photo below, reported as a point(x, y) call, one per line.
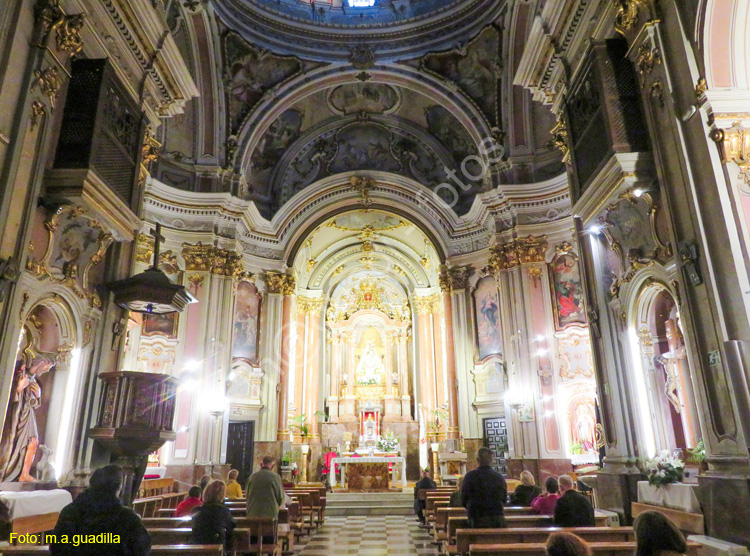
point(539, 549)
point(157, 550)
point(155, 487)
point(187, 550)
point(686, 522)
point(147, 507)
point(530, 535)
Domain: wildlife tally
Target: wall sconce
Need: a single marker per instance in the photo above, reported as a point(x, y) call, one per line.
point(737, 148)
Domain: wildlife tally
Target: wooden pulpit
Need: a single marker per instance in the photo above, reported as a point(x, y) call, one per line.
point(136, 417)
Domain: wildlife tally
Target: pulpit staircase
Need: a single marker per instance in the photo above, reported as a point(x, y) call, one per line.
point(370, 503)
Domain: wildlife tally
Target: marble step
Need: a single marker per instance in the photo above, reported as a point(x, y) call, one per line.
point(337, 511)
point(369, 503)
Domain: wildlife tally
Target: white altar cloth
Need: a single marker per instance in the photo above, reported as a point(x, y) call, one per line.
point(677, 496)
point(374, 459)
point(34, 502)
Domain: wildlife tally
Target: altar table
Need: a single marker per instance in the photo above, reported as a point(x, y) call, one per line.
point(343, 462)
point(677, 496)
point(34, 502)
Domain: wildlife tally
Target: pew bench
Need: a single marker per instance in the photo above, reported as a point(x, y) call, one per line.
point(156, 550)
point(540, 549)
point(534, 535)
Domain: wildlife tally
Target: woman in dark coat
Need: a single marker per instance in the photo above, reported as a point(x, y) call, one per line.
point(213, 522)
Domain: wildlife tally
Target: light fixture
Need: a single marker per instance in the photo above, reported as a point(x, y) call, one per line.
point(638, 192)
point(151, 291)
point(595, 229)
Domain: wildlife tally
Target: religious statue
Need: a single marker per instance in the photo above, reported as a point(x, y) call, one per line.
point(20, 435)
point(370, 367)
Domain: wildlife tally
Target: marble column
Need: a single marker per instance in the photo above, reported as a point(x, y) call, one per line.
point(285, 285)
point(463, 337)
point(272, 315)
point(336, 368)
point(446, 287)
point(403, 370)
point(426, 343)
point(311, 308)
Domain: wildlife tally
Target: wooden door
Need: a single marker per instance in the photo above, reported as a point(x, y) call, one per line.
point(240, 448)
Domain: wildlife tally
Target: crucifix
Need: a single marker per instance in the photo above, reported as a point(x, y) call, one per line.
point(158, 238)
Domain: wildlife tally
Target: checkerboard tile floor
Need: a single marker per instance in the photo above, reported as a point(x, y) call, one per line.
point(370, 536)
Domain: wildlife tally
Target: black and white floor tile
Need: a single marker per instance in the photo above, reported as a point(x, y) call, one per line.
point(369, 536)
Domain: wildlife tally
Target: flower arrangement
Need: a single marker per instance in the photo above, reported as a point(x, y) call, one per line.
point(664, 469)
point(388, 442)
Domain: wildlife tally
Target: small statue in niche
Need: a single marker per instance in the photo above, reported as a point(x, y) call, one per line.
point(20, 435)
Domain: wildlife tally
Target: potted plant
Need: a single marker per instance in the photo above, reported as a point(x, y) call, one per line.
point(664, 470)
point(299, 422)
point(286, 459)
point(698, 457)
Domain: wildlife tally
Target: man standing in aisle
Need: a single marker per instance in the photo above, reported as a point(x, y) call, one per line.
point(264, 491)
point(483, 493)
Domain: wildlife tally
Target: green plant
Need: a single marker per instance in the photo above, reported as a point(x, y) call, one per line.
point(299, 422)
point(287, 457)
point(322, 415)
point(697, 454)
point(576, 448)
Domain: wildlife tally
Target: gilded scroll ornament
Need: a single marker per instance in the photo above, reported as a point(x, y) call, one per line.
point(363, 186)
point(627, 15)
point(48, 81)
point(560, 136)
point(69, 33)
point(38, 111)
point(645, 62)
point(309, 305)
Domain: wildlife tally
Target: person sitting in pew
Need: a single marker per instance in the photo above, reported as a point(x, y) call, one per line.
point(427, 483)
point(234, 490)
point(213, 522)
point(656, 535)
point(483, 493)
point(189, 504)
point(98, 510)
point(567, 544)
point(573, 509)
point(544, 504)
point(204, 482)
point(456, 494)
point(526, 491)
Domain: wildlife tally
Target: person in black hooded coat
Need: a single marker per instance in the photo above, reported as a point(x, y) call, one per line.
point(98, 510)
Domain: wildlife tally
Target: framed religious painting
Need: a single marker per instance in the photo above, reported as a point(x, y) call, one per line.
point(567, 292)
point(246, 322)
point(165, 325)
point(489, 337)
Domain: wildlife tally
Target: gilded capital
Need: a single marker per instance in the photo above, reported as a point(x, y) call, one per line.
point(428, 304)
point(459, 275)
point(274, 282)
point(532, 249)
point(198, 257)
point(290, 283)
point(309, 305)
point(227, 263)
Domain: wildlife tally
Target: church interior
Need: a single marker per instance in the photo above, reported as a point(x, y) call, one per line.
point(327, 230)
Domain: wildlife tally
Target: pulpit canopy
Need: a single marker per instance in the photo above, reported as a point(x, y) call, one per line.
point(136, 414)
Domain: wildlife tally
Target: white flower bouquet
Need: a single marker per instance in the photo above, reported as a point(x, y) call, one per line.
point(664, 469)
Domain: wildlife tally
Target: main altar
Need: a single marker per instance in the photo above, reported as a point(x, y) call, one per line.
point(370, 472)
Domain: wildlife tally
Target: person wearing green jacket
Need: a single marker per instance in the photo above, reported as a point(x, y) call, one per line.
point(264, 491)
